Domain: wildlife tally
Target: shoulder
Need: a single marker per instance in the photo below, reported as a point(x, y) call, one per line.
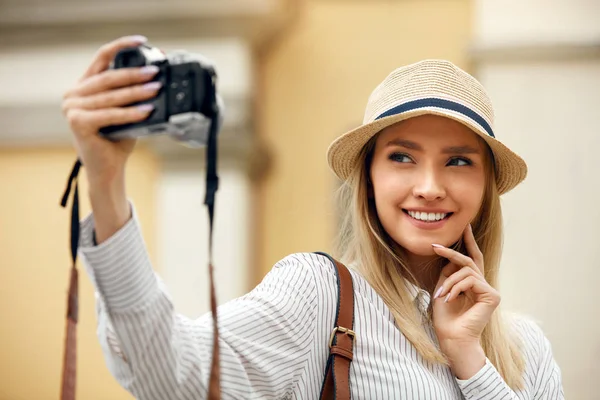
point(309, 263)
point(321, 269)
point(308, 273)
point(526, 326)
point(301, 267)
point(541, 369)
point(531, 335)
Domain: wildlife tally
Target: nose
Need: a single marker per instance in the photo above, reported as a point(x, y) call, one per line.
point(429, 185)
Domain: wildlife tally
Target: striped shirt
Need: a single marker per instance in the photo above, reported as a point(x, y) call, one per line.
point(274, 340)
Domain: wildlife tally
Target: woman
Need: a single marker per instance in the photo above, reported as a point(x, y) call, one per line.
point(422, 179)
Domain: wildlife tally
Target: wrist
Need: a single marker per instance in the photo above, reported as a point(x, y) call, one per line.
point(466, 359)
point(110, 179)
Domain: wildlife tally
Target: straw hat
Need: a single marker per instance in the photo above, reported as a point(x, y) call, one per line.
point(428, 87)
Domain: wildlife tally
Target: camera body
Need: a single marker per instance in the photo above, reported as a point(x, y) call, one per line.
point(186, 104)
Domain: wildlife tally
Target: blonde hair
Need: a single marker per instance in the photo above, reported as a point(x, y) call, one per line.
point(364, 244)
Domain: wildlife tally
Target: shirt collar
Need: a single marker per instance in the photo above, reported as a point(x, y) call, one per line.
point(421, 298)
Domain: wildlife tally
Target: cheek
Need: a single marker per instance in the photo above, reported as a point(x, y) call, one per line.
point(389, 188)
point(387, 191)
point(469, 193)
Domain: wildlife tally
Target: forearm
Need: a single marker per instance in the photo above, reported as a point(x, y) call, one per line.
point(110, 206)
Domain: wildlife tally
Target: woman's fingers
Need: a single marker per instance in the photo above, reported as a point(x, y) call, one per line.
point(477, 287)
point(101, 97)
point(454, 278)
point(107, 53)
point(456, 258)
point(82, 120)
point(113, 98)
point(112, 79)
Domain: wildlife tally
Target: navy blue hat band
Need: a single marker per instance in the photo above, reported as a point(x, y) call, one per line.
point(439, 103)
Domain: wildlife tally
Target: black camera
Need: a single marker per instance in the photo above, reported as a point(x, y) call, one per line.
point(186, 104)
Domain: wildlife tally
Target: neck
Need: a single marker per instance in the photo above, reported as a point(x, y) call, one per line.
point(425, 269)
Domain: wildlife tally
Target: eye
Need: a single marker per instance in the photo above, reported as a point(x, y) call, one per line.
point(400, 157)
point(459, 161)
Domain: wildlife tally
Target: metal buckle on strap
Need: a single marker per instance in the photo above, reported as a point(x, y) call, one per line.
point(341, 329)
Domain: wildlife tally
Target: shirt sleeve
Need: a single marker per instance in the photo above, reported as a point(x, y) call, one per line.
point(266, 337)
point(542, 373)
point(487, 384)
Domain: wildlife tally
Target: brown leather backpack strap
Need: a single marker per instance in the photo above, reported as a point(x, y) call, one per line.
point(69, 372)
point(336, 385)
point(214, 381)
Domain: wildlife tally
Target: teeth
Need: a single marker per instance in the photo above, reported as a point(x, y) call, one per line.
point(423, 216)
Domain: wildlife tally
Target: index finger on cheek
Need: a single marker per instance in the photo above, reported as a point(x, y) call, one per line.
point(472, 247)
point(452, 255)
point(457, 258)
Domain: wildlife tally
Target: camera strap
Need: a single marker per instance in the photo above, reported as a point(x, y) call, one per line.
point(69, 372)
point(212, 185)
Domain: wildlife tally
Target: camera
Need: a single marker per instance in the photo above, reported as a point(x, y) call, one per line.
point(187, 103)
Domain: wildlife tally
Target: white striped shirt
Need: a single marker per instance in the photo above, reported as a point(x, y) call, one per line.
point(274, 340)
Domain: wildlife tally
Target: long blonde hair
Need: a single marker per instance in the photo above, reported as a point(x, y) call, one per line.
point(364, 244)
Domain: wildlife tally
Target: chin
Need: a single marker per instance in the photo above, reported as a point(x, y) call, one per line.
point(421, 244)
point(421, 248)
point(419, 241)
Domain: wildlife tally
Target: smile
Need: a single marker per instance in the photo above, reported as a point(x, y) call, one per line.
point(429, 217)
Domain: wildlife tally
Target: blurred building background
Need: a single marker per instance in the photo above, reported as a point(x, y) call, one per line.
point(294, 74)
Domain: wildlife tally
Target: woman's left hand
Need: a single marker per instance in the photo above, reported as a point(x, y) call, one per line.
point(462, 307)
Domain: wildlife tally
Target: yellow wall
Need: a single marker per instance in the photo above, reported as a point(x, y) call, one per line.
point(314, 85)
point(34, 265)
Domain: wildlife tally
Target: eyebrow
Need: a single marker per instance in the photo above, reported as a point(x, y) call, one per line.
point(447, 150)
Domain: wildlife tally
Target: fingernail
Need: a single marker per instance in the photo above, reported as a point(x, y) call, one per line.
point(149, 70)
point(138, 38)
point(145, 107)
point(439, 246)
point(447, 297)
point(439, 291)
point(152, 86)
